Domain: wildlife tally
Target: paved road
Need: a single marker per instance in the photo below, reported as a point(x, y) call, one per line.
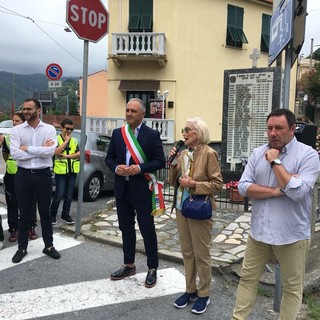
point(78, 286)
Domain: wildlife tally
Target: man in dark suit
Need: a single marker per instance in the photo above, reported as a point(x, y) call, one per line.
point(132, 167)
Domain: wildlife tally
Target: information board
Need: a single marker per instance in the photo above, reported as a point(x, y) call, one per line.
point(249, 96)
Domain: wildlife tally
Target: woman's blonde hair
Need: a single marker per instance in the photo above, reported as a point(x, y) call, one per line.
point(201, 128)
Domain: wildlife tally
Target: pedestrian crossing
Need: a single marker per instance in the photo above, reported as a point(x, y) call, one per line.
point(35, 248)
point(81, 295)
point(32, 304)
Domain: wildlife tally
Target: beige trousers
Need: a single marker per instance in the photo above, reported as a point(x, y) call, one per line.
point(195, 242)
point(292, 261)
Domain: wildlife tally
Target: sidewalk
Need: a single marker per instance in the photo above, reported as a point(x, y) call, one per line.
point(229, 237)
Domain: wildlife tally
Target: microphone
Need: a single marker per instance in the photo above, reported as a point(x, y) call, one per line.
point(179, 145)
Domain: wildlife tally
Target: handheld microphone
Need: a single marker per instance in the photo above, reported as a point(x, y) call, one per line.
point(179, 145)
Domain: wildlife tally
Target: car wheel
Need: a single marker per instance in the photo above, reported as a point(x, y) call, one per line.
point(92, 188)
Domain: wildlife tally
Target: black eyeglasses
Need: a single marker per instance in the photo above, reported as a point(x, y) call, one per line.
point(186, 130)
point(68, 129)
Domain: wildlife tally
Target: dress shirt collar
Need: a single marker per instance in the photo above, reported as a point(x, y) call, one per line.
point(26, 124)
point(288, 147)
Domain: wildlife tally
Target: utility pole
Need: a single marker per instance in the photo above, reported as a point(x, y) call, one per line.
point(311, 53)
point(13, 94)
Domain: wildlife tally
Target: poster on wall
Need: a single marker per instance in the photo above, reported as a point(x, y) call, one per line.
point(157, 110)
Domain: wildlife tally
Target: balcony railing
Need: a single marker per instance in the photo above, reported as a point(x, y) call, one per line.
point(138, 43)
point(106, 125)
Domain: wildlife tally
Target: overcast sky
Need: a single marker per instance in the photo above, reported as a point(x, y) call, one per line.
point(30, 45)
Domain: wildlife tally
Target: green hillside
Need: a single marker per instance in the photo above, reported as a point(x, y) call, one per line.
point(18, 87)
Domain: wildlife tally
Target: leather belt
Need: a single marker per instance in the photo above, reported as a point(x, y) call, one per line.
point(43, 170)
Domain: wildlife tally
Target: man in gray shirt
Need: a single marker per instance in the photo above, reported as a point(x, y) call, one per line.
point(279, 177)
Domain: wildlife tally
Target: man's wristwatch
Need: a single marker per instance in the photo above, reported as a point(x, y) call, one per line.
point(275, 161)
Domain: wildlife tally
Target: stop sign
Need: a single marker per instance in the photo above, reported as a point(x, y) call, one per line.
point(88, 19)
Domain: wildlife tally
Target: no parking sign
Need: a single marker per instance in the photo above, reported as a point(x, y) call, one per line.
point(54, 71)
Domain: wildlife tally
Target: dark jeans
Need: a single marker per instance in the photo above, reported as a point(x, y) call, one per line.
point(12, 205)
point(127, 208)
point(64, 189)
point(28, 184)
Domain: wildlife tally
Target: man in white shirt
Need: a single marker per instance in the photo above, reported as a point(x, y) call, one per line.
point(33, 144)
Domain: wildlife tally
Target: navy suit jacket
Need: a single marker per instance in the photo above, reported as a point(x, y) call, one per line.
point(151, 145)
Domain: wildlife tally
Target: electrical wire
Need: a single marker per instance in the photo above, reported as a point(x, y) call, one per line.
point(8, 11)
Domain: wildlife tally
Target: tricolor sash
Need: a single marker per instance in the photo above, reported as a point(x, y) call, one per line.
point(139, 157)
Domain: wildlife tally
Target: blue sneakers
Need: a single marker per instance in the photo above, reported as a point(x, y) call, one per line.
point(200, 306)
point(185, 299)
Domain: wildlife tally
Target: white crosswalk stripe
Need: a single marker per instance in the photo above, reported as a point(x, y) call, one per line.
point(42, 302)
point(35, 248)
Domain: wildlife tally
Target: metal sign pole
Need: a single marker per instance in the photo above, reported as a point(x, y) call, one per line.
point(286, 100)
point(83, 134)
point(287, 73)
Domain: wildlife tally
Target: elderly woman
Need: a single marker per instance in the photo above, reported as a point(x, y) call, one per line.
point(195, 171)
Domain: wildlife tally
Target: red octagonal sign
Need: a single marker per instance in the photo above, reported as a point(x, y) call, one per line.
point(88, 19)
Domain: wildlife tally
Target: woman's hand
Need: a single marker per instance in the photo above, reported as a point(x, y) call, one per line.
point(186, 182)
point(172, 153)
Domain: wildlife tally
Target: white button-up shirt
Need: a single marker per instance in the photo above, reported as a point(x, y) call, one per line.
point(37, 156)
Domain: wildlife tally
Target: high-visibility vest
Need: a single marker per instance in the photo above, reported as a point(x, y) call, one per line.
point(11, 165)
point(64, 166)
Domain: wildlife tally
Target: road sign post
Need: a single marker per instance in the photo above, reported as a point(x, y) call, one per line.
point(89, 20)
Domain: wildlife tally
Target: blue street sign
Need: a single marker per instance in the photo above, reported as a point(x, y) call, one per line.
point(281, 29)
point(54, 71)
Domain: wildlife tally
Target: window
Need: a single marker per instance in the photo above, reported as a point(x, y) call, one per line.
point(103, 143)
point(235, 34)
point(265, 33)
point(145, 96)
point(140, 15)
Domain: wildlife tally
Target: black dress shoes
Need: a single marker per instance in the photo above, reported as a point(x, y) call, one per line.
point(123, 272)
point(151, 278)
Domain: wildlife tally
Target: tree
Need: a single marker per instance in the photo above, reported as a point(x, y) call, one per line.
point(66, 101)
point(316, 55)
point(310, 84)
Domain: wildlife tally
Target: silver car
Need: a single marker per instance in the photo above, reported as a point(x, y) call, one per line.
point(5, 127)
point(97, 176)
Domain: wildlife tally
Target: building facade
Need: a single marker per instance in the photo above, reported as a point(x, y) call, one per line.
point(182, 48)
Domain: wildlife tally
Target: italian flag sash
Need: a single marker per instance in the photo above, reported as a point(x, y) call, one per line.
point(139, 157)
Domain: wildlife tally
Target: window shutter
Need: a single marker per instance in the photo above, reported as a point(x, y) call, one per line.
point(140, 15)
point(235, 32)
point(134, 21)
point(265, 33)
point(146, 22)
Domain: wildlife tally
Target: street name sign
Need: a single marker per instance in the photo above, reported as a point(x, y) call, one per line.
point(281, 30)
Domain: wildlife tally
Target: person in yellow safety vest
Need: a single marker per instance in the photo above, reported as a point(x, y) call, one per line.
point(2, 240)
point(9, 188)
point(66, 165)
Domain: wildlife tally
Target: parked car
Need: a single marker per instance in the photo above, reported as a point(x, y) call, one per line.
point(5, 127)
point(97, 176)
